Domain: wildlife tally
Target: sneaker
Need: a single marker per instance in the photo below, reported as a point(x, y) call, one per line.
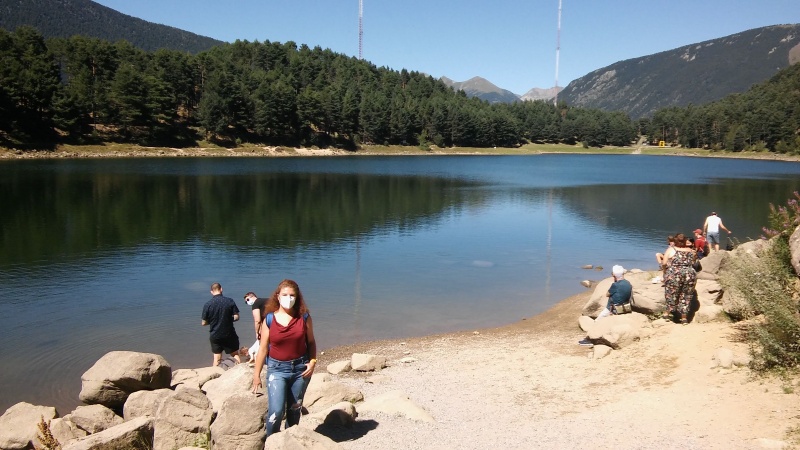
point(585, 343)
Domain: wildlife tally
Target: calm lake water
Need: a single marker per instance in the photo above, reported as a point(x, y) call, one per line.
point(101, 255)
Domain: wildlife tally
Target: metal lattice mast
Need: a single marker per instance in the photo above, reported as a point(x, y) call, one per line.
point(558, 50)
point(360, 29)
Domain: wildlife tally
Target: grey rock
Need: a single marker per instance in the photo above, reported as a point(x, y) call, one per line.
point(136, 434)
point(618, 331)
point(94, 418)
point(64, 431)
point(19, 425)
point(600, 351)
point(342, 414)
point(240, 423)
point(182, 419)
point(322, 392)
point(366, 363)
point(298, 438)
point(794, 250)
point(396, 402)
point(118, 374)
point(145, 403)
point(236, 380)
point(723, 358)
point(338, 367)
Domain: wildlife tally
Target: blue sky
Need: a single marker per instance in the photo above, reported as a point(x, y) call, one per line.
point(512, 43)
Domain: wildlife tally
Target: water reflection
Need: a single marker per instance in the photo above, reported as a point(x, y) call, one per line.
point(66, 215)
point(119, 254)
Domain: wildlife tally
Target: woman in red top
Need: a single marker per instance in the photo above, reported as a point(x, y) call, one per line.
point(289, 350)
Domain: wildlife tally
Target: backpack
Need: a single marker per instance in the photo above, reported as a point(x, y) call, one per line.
point(271, 316)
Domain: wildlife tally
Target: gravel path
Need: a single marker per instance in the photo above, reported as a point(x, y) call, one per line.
point(529, 385)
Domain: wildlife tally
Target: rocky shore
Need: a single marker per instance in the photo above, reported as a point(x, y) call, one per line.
point(647, 383)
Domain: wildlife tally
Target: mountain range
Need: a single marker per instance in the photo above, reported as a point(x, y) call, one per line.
point(692, 74)
point(65, 18)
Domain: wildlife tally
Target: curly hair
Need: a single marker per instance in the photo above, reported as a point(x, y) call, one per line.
point(273, 303)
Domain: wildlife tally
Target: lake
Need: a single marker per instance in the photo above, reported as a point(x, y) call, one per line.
point(118, 254)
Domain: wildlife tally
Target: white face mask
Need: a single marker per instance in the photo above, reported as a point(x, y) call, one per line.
point(287, 301)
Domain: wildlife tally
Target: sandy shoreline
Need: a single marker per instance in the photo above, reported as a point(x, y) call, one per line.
point(133, 151)
point(528, 385)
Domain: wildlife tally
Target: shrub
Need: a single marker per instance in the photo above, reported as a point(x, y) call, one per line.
point(783, 219)
point(45, 436)
point(767, 283)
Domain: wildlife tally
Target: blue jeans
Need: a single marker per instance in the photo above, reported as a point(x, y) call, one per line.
point(285, 390)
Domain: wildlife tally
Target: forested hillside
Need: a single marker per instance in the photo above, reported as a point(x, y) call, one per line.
point(67, 18)
point(767, 117)
point(89, 90)
point(84, 90)
point(694, 74)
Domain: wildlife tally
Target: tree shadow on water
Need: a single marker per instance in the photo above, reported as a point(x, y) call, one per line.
point(339, 433)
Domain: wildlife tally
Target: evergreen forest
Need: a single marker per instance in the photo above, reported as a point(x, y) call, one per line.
point(86, 90)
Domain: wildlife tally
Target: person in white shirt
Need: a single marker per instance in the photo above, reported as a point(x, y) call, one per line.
point(711, 229)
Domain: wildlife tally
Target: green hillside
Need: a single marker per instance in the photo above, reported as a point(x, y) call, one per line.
point(65, 18)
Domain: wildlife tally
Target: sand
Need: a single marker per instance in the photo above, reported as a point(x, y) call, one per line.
point(529, 385)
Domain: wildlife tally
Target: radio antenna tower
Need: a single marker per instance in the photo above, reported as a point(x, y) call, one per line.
point(558, 50)
point(360, 29)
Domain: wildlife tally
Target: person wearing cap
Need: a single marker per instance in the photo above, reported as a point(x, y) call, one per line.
point(699, 243)
point(219, 313)
point(618, 294)
point(711, 227)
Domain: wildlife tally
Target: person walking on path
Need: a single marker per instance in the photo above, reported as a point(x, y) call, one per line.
point(219, 313)
point(711, 228)
point(289, 349)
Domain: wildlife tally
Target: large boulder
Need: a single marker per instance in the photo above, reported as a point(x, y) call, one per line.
point(342, 414)
point(145, 403)
point(94, 418)
point(136, 434)
point(322, 392)
point(396, 402)
point(182, 419)
point(118, 374)
point(195, 378)
point(598, 299)
point(362, 362)
point(236, 380)
point(19, 425)
point(240, 423)
point(65, 431)
point(297, 438)
point(794, 250)
point(711, 264)
point(648, 297)
point(620, 331)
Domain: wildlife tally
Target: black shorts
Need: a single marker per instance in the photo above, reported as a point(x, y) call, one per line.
point(228, 344)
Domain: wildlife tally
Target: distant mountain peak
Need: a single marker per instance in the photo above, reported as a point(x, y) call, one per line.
point(483, 89)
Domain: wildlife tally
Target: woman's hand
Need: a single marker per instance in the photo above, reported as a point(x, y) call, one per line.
point(309, 368)
point(256, 384)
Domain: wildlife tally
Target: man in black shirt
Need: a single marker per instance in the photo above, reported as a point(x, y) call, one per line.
point(220, 312)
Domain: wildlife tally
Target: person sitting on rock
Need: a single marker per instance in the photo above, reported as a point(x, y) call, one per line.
point(618, 294)
point(663, 258)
